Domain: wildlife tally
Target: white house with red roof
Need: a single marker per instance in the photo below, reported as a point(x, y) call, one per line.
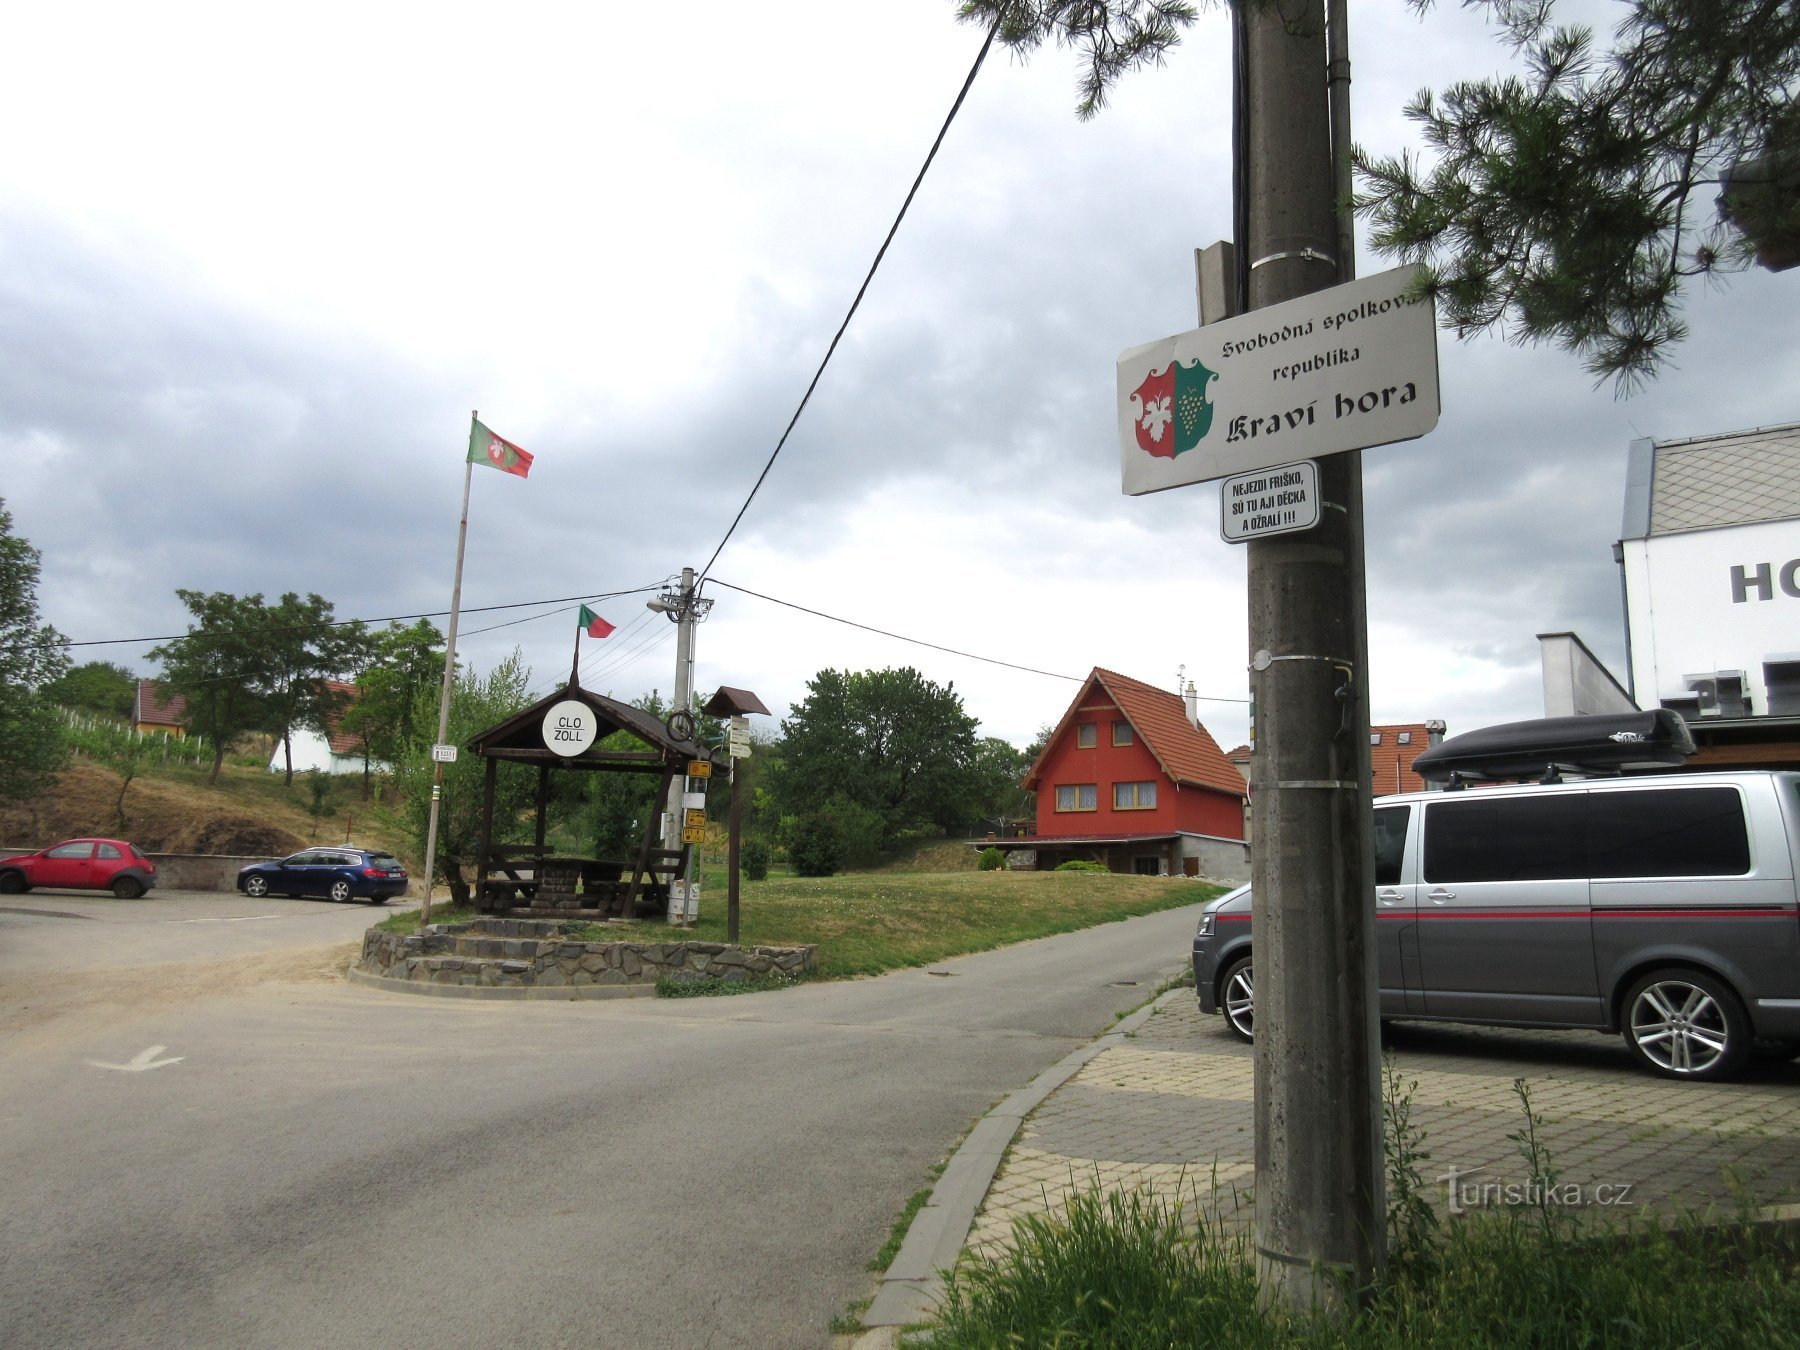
point(1130, 778)
point(330, 751)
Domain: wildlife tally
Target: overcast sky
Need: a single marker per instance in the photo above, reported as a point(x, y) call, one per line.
point(257, 267)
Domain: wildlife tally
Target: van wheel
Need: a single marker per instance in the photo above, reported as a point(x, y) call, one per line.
point(1237, 999)
point(1685, 1024)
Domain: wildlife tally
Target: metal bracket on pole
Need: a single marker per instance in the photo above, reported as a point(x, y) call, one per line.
point(1304, 254)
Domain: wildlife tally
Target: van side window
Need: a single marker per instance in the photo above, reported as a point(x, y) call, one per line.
point(1506, 839)
point(1674, 832)
point(1390, 843)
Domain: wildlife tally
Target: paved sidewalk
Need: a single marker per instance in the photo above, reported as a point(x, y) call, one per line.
point(1165, 1103)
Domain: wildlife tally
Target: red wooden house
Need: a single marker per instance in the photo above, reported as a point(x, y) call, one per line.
point(1131, 779)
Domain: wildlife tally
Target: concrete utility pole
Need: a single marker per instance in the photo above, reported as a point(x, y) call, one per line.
point(1320, 1217)
point(685, 609)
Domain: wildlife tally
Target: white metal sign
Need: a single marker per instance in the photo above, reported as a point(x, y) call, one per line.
point(1281, 500)
point(570, 727)
point(1337, 370)
point(444, 754)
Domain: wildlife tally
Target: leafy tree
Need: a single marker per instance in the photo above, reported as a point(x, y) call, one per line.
point(392, 665)
point(754, 858)
point(817, 846)
point(218, 667)
point(32, 655)
point(128, 754)
point(1569, 205)
point(303, 650)
point(1572, 204)
point(476, 703)
point(888, 740)
point(95, 686)
point(999, 802)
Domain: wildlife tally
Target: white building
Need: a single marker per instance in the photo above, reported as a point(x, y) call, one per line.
point(1710, 549)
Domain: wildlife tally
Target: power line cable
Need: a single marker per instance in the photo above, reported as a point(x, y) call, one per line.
point(934, 646)
point(862, 290)
point(392, 618)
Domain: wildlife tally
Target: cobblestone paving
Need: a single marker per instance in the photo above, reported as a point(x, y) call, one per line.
point(1170, 1110)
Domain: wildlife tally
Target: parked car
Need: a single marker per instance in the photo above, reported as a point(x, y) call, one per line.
point(82, 865)
point(1661, 907)
point(336, 872)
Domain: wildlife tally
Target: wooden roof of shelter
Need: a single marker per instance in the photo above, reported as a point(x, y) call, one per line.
point(521, 737)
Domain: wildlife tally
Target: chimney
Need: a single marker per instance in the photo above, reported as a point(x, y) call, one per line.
point(1191, 697)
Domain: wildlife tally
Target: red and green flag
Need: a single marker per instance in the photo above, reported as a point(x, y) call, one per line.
point(593, 625)
point(497, 452)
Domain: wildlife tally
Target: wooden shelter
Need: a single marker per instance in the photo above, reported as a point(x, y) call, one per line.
point(564, 732)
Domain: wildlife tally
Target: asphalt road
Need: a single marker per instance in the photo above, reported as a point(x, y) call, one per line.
point(313, 1163)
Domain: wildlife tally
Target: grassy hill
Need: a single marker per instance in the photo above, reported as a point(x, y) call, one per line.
point(174, 810)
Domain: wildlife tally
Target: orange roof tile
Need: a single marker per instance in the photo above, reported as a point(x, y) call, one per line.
point(1390, 762)
point(154, 708)
point(1186, 753)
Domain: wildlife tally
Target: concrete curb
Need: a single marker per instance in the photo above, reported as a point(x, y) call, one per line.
point(503, 993)
point(913, 1285)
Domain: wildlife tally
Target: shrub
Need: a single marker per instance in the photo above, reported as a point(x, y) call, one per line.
point(754, 857)
point(1082, 865)
point(817, 846)
point(992, 860)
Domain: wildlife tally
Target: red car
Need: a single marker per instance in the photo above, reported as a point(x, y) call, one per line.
point(81, 865)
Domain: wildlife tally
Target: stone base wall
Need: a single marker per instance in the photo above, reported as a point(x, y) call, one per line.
point(1220, 859)
point(523, 953)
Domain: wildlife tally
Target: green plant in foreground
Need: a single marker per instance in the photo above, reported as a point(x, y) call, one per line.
point(991, 860)
point(1127, 1270)
point(1412, 1224)
point(897, 1231)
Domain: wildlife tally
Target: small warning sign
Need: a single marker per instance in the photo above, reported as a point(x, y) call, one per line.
point(1281, 500)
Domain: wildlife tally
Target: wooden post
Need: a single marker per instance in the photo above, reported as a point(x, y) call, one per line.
point(731, 858)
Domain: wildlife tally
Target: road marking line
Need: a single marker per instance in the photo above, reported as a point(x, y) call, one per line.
point(143, 1060)
point(242, 918)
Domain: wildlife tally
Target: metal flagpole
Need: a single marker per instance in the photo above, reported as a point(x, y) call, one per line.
point(443, 726)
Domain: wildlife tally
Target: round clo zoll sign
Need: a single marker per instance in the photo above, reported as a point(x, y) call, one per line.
point(570, 727)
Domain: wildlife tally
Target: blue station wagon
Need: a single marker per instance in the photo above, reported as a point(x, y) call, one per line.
point(339, 872)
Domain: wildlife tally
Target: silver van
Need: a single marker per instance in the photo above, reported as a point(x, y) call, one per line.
point(1663, 907)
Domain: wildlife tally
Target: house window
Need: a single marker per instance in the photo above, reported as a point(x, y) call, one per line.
point(1121, 733)
point(1406, 738)
point(1374, 738)
point(1077, 797)
point(1134, 796)
point(1087, 736)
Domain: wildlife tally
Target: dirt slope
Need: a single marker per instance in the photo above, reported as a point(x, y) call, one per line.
point(246, 813)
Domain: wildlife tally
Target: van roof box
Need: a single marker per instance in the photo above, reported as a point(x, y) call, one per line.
point(1601, 743)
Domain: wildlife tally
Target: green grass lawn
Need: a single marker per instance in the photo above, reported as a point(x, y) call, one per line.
point(865, 923)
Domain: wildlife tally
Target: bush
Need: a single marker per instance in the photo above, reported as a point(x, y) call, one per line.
point(817, 846)
point(754, 858)
point(1082, 865)
point(992, 860)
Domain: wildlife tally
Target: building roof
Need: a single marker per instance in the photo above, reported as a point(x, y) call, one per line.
point(1390, 760)
point(155, 708)
point(1738, 478)
point(1187, 753)
point(342, 742)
